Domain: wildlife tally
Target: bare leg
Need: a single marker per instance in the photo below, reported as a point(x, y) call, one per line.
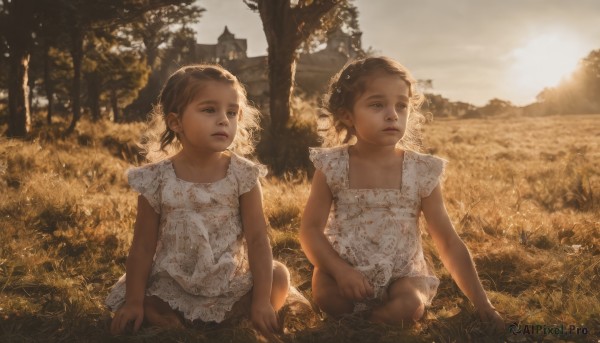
point(280, 286)
point(403, 306)
point(326, 295)
point(159, 313)
point(279, 291)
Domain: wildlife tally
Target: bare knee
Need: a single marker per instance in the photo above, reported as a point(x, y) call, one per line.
point(406, 309)
point(281, 275)
point(280, 286)
point(326, 295)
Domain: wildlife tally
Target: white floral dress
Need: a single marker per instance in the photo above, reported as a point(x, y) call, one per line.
point(376, 230)
point(201, 263)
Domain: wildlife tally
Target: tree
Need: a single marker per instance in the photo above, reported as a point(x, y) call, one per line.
point(496, 107)
point(17, 23)
point(84, 15)
point(155, 29)
point(578, 93)
point(342, 17)
point(20, 20)
point(286, 27)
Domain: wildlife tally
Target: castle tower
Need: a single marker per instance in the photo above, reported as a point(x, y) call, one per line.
point(230, 48)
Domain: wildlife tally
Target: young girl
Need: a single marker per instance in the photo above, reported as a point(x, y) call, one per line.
point(200, 243)
point(368, 254)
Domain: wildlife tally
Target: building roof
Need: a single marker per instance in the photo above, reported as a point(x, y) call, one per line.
point(226, 35)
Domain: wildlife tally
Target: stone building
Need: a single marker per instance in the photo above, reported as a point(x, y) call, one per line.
point(313, 70)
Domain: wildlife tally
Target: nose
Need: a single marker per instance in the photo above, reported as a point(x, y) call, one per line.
point(223, 118)
point(391, 114)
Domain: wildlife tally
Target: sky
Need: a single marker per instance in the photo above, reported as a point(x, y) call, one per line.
point(472, 50)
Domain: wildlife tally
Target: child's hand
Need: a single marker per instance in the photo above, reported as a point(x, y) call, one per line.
point(126, 314)
point(264, 319)
point(353, 284)
point(491, 317)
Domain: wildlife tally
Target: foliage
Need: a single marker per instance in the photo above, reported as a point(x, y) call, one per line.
point(115, 73)
point(343, 17)
point(166, 26)
point(50, 24)
point(441, 107)
point(579, 92)
point(291, 147)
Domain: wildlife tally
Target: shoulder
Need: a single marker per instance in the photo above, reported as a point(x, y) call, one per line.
point(241, 165)
point(336, 150)
point(323, 158)
point(246, 172)
point(428, 170)
point(426, 161)
point(148, 180)
point(151, 170)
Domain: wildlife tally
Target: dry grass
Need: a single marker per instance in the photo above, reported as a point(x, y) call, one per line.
point(523, 193)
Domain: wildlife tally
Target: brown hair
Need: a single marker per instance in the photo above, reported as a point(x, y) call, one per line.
point(179, 91)
point(349, 83)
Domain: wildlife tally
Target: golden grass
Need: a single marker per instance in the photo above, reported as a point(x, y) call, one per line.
point(523, 193)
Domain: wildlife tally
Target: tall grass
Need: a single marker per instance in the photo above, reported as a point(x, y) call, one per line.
point(523, 193)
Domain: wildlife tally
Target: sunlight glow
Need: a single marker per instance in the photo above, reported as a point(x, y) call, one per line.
point(544, 60)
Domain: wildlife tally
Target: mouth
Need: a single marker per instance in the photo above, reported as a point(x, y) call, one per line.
point(392, 129)
point(221, 134)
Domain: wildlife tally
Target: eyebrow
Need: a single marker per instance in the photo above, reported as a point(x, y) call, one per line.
point(380, 96)
point(213, 102)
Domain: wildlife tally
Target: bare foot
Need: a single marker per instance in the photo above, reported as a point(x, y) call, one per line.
point(159, 313)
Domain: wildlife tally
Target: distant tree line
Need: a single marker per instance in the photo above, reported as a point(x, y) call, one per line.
point(579, 93)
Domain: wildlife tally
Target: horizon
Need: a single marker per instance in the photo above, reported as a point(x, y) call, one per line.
point(525, 47)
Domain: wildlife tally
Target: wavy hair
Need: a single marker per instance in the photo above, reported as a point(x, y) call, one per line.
point(350, 83)
point(182, 87)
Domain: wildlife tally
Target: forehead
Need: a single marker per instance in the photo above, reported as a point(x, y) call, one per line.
point(204, 90)
point(386, 85)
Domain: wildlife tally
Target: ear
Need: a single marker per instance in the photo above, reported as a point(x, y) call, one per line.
point(346, 118)
point(173, 122)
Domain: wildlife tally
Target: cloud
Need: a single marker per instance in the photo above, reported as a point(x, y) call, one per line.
point(464, 45)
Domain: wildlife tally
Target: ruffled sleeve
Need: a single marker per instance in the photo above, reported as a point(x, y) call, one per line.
point(247, 173)
point(430, 172)
point(331, 162)
point(147, 181)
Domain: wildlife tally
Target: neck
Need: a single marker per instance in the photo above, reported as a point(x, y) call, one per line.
point(198, 160)
point(371, 151)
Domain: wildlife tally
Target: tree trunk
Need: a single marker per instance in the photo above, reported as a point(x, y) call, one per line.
point(19, 118)
point(30, 86)
point(20, 22)
point(285, 28)
point(93, 88)
point(48, 84)
point(114, 101)
point(77, 55)
point(281, 82)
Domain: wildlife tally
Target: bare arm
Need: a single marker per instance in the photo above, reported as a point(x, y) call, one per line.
point(261, 260)
point(351, 283)
point(138, 265)
point(453, 252)
point(312, 238)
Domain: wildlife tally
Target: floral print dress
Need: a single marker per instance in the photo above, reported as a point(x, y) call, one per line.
point(200, 266)
point(376, 230)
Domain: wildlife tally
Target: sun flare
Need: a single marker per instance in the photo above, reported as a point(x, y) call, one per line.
point(544, 60)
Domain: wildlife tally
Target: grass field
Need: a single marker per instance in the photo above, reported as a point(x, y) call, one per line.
point(523, 193)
